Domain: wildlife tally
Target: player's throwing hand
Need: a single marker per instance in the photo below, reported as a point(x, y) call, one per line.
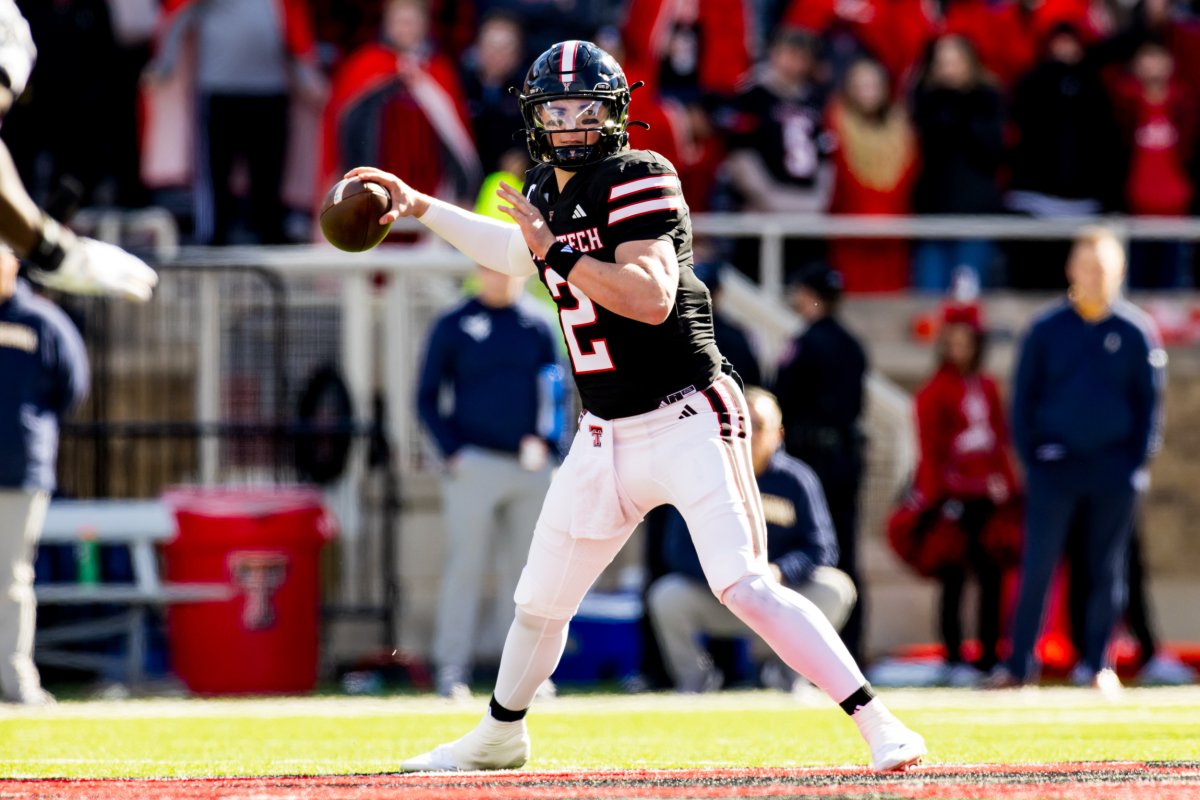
point(406, 201)
point(533, 225)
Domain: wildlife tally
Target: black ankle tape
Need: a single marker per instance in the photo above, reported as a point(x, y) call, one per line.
point(502, 714)
point(863, 695)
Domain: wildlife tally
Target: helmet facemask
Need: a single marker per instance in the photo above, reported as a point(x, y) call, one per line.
point(574, 131)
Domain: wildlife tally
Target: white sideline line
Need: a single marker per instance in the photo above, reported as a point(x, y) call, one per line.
point(1044, 701)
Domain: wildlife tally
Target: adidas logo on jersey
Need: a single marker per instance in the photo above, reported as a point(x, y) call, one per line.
point(579, 213)
point(688, 411)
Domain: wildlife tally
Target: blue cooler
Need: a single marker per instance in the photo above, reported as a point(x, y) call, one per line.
point(604, 640)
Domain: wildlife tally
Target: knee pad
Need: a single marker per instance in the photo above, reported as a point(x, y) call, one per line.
point(748, 594)
point(544, 626)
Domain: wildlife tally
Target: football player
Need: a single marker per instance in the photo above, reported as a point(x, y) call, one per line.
point(56, 257)
point(606, 229)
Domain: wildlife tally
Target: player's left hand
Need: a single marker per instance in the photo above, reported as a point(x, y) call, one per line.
point(93, 267)
point(533, 226)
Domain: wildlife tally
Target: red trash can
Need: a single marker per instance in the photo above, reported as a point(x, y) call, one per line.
point(264, 543)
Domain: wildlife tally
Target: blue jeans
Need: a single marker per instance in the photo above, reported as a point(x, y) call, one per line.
point(935, 260)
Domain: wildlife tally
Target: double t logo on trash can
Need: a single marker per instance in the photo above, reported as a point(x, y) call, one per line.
point(258, 574)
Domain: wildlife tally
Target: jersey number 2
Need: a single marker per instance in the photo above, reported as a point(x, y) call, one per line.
point(582, 315)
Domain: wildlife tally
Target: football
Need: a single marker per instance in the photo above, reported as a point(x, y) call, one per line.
point(350, 215)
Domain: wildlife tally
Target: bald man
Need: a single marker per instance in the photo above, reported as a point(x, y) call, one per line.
point(1086, 419)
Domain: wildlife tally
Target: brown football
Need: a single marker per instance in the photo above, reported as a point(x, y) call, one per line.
point(350, 215)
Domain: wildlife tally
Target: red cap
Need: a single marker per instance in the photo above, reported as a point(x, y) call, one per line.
point(967, 314)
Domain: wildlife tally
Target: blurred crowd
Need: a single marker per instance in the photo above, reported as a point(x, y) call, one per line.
point(238, 114)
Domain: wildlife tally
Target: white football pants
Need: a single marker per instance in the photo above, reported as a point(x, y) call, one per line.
point(695, 455)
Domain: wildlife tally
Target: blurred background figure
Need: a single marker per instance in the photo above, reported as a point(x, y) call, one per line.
point(1155, 665)
point(688, 50)
point(1158, 121)
point(43, 130)
point(732, 340)
point(1066, 158)
point(45, 369)
point(960, 124)
point(801, 547)
point(894, 32)
point(820, 387)
point(497, 63)
point(500, 435)
point(778, 159)
point(876, 164)
point(1009, 35)
point(964, 472)
point(247, 56)
point(1087, 417)
point(398, 103)
point(545, 22)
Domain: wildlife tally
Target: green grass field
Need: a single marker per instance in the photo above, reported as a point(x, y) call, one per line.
point(327, 735)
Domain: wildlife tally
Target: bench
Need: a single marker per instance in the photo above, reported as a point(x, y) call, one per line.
point(140, 525)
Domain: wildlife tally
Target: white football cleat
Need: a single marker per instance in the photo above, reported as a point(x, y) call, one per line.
point(93, 267)
point(491, 745)
point(894, 748)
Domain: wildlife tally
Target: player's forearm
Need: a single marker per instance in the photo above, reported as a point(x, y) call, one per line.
point(494, 244)
point(635, 290)
point(20, 218)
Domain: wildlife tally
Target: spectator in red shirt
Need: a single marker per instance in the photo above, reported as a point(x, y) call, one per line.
point(1158, 120)
point(875, 164)
point(894, 32)
point(398, 103)
point(1009, 35)
point(964, 468)
point(685, 49)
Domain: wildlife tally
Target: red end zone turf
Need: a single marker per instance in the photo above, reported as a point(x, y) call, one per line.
point(1099, 781)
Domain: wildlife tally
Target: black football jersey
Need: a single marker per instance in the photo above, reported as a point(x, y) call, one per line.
point(785, 132)
point(624, 367)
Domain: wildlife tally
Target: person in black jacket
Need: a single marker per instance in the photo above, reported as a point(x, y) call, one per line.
point(45, 374)
point(1063, 161)
point(820, 389)
point(959, 119)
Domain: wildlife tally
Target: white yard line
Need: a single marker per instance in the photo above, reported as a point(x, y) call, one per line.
point(928, 700)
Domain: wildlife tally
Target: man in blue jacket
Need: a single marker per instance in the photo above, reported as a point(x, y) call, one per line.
point(1087, 417)
point(43, 375)
point(801, 547)
point(500, 434)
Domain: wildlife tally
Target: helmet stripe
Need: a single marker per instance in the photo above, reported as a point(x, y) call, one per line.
point(567, 64)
